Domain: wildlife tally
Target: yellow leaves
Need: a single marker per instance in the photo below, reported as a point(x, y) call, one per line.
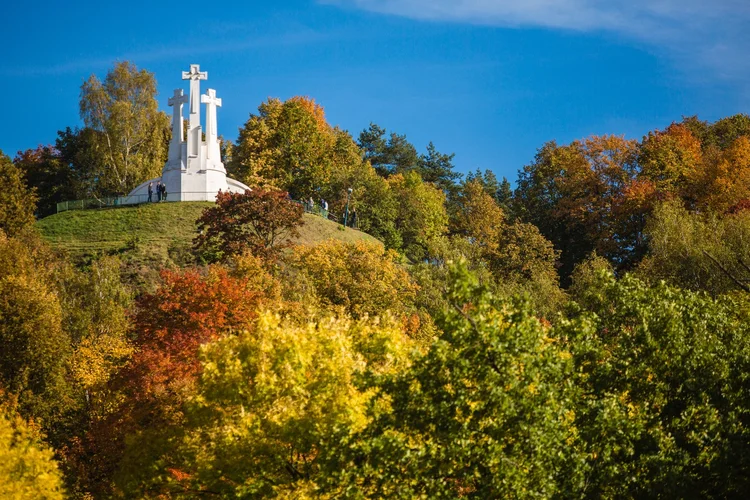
point(282, 388)
point(96, 358)
point(362, 278)
point(27, 467)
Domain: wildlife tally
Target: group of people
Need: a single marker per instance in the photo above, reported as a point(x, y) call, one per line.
point(310, 207)
point(161, 191)
point(322, 210)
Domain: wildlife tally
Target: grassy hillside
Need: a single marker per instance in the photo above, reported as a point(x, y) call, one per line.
point(159, 232)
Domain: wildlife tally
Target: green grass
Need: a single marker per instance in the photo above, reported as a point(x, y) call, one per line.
point(155, 232)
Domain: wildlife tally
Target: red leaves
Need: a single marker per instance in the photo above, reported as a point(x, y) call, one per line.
point(257, 220)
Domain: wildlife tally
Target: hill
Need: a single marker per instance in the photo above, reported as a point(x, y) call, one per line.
point(161, 232)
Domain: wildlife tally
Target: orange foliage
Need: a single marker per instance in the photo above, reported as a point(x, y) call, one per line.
point(671, 159)
point(188, 310)
point(314, 109)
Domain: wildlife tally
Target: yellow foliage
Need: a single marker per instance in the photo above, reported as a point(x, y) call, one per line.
point(269, 398)
point(27, 467)
point(362, 278)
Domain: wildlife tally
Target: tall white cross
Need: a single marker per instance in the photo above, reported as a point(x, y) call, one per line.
point(195, 75)
point(212, 141)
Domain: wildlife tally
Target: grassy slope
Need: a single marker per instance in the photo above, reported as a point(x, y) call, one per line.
point(162, 231)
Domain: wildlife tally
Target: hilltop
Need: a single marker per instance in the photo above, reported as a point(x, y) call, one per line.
point(161, 232)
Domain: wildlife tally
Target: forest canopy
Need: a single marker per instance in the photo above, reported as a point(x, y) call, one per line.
point(585, 333)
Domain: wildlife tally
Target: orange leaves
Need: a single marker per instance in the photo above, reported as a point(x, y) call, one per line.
point(188, 310)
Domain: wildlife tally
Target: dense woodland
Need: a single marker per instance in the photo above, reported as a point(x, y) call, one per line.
point(582, 332)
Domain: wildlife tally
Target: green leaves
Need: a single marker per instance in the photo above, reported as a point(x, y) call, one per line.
point(487, 412)
point(129, 143)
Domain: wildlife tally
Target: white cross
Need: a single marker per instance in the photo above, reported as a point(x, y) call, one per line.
point(195, 75)
point(176, 101)
point(212, 142)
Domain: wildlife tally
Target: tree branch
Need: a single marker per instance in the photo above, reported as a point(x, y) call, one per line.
point(738, 282)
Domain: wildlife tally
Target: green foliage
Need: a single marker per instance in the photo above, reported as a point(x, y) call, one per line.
point(697, 251)
point(586, 275)
point(17, 200)
point(131, 135)
point(27, 467)
point(437, 168)
point(487, 412)
point(422, 217)
point(664, 376)
point(388, 156)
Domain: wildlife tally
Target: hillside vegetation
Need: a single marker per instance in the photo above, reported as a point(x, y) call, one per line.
point(163, 231)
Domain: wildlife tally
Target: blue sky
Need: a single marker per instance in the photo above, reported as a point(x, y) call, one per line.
point(490, 80)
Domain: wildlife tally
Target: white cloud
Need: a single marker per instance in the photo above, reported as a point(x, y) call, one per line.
point(699, 34)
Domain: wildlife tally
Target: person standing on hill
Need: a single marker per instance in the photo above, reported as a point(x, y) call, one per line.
point(150, 191)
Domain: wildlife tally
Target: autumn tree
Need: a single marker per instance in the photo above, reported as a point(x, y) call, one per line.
point(359, 278)
point(130, 139)
point(149, 393)
point(671, 159)
point(288, 145)
point(422, 216)
point(36, 348)
point(486, 412)
point(27, 465)
point(571, 193)
point(17, 200)
point(258, 220)
point(284, 392)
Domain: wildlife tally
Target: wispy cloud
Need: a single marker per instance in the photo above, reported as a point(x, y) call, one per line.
point(699, 34)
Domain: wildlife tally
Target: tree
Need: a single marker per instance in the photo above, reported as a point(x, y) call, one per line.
point(572, 194)
point(437, 168)
point(422, 217)
point(362, 279)
point(697, 251)
point(17, 200)
point(131, 134)
point(664, 403)
point(269, 402)
point(148, 394)
point(27, 466)
point(518, 256)
point(388, 156)
point(671, 159)
point(258, 221)
point(51, 178)
point(35, 346)
point(289, 145)
point(487, 412)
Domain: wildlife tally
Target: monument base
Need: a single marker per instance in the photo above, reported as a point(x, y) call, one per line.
point(185, 186)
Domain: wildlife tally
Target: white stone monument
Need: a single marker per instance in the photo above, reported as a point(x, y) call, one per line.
point(194, 171)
